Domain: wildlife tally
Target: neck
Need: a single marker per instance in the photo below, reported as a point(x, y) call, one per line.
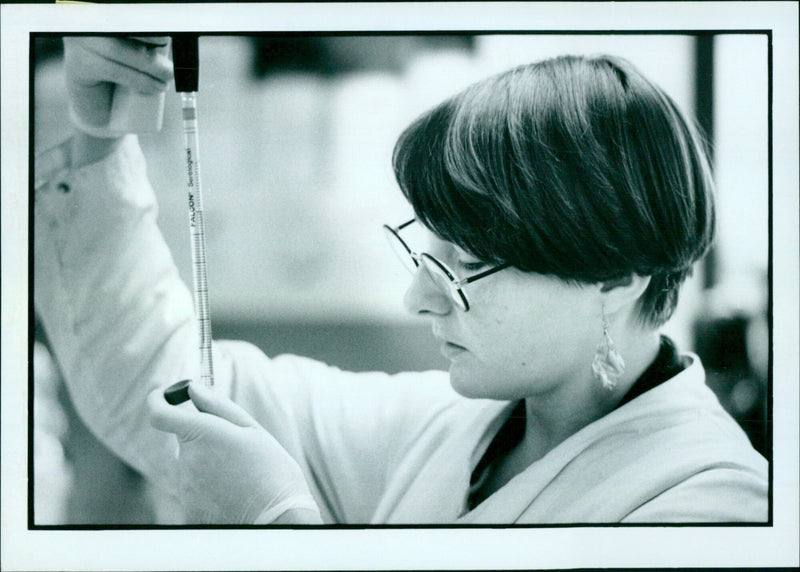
point(552, 418)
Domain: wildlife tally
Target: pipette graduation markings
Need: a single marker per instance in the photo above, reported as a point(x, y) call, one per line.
point(187, 67)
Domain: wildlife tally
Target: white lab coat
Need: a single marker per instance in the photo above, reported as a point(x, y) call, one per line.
point(375, 448)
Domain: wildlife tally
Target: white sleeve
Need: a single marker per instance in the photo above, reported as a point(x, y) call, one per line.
point(350, 432)
point(121, 323)
point(118, 318)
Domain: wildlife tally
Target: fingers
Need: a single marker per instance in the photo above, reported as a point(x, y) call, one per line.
point(213, 414)
point(147, 55)
point(181, 421)
point(142, 67)
point(153, 41)
point(207, 401)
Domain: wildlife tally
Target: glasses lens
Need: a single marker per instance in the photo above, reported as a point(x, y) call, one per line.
point(443, 278)
point(400, 250)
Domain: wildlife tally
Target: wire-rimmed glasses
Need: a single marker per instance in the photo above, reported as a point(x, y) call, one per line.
point(442, 275)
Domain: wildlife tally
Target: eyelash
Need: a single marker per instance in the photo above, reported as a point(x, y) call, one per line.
point(470, 266)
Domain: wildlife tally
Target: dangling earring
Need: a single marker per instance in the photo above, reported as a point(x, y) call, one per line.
point(608, 364)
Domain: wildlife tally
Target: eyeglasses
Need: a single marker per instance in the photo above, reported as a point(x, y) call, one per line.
point(442, 276)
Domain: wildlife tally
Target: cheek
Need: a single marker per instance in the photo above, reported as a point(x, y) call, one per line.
point(534, 327)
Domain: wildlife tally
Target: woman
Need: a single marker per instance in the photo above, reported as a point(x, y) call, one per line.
point(564, 204)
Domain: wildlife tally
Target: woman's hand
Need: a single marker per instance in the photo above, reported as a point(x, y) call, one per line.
point(231, 470)
point(96, 65)
point(97, 68)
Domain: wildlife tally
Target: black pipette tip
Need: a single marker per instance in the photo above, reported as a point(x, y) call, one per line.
point(186, 59)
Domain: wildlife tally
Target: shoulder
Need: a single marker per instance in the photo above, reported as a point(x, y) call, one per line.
point(682, 414)
point(722, 494)
point(670, 455)
point(680, 405)
point(697, 463)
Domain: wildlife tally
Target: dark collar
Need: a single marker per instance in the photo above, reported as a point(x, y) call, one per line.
point(668, 364)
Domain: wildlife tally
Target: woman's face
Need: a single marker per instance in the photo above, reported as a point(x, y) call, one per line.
point(524, 334)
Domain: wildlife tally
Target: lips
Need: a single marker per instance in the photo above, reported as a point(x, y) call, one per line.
point(451, 350)
point(447, 344)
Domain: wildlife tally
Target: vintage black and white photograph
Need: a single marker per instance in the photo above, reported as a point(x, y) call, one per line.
point(339, 279)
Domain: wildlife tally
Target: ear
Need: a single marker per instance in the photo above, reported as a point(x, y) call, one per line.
point(624, 291)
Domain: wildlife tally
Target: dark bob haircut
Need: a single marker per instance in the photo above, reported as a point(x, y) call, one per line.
point(576, 167)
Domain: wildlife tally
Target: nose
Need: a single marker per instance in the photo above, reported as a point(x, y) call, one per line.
point(425, 297)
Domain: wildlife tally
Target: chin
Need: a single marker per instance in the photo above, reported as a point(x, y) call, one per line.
point(478, 384)
point(473, 386)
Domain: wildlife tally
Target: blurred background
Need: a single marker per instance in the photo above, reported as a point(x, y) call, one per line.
point(296, 134)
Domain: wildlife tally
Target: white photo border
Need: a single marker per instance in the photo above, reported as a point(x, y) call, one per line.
point(406, 548)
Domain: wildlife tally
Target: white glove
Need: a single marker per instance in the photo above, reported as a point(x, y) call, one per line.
point(232, 471)
point(101, 69)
